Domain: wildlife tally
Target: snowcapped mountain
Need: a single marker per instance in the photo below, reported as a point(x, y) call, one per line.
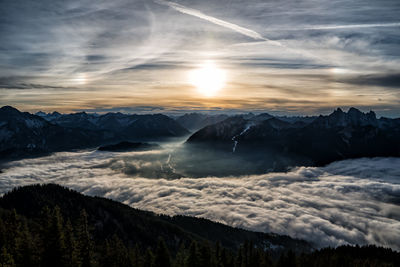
point(48, 116)
point(123, 125)
point(23, 134)
point(324, 139)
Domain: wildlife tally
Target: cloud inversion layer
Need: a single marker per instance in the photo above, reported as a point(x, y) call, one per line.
point(352, 201)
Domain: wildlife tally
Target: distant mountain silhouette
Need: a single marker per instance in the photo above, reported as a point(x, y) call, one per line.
point(340, 135)
point(24, 134)
point(125, 125)
point(275, 143)
point(196, 121)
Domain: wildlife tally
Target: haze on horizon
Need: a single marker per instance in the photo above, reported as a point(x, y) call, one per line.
point(286, 56)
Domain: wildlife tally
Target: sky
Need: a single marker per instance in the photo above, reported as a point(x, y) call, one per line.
point(346, 202)
point(292, 57)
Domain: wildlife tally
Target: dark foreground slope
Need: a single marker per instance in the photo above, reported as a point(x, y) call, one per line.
point(53, 226)
point(132, 225)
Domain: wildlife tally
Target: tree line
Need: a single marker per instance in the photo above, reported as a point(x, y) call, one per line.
point(52, 240)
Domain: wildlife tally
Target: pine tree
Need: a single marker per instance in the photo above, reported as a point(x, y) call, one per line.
point(266, 260)
point(71, 246)
point(240, 259)
point(6, 259)
point(205, 255)
point(55, 252)
point(162, 257)
point(148, 258)
point(46, 237)
point(13, 239)
point(18, 240)
point(116, 253)
point(192, 259)
point(85, 243)
point(30, 255)
point(3, 233)
point(106, 255)
point(180, 256)
point(224, 260)
point(59, 237)
point(135, 257)
point(288, 259)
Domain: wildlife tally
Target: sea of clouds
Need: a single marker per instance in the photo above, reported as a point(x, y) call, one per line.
point(352, 201)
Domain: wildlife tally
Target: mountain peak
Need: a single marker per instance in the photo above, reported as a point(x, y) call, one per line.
point(338, 110)
point(261, 117)
point(371, 114)
point(362, 118)
point(9, 110)
point(353, 117)
point(354, 111)
point(40, 113)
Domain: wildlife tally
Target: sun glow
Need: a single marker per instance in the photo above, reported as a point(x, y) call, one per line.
point(208, 79)
point(80, 79)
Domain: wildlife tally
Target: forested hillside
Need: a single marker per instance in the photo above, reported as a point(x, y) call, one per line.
point(53, 226)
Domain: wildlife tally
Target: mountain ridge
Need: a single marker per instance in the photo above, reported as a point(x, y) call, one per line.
point(23, 134)
point(337, 136)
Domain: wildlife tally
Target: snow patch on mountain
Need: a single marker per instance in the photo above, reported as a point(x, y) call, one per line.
point(32, 123)
point(234, 139)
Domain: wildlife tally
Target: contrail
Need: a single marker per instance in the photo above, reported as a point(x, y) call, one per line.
point(336, 27)
point(196, 13)
point(333, 27)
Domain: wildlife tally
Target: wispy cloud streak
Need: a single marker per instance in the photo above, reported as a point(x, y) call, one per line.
point(352, 26)
point(334, 27)
point(196, 13)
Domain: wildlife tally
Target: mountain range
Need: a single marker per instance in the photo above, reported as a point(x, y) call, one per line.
point(124, 125)
point(270, 142)
point(282, 143)
point(24, 134)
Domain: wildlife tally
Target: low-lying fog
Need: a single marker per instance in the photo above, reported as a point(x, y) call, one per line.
point(351, 201)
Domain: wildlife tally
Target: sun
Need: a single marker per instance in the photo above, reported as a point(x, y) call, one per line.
point(208, 79)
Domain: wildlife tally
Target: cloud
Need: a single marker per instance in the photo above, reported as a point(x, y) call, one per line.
point(336, 27)
point(384, 80)
point(126, 53)
point(199, 14)
point(352, 201)
point(15, 83)
point(352, 26)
